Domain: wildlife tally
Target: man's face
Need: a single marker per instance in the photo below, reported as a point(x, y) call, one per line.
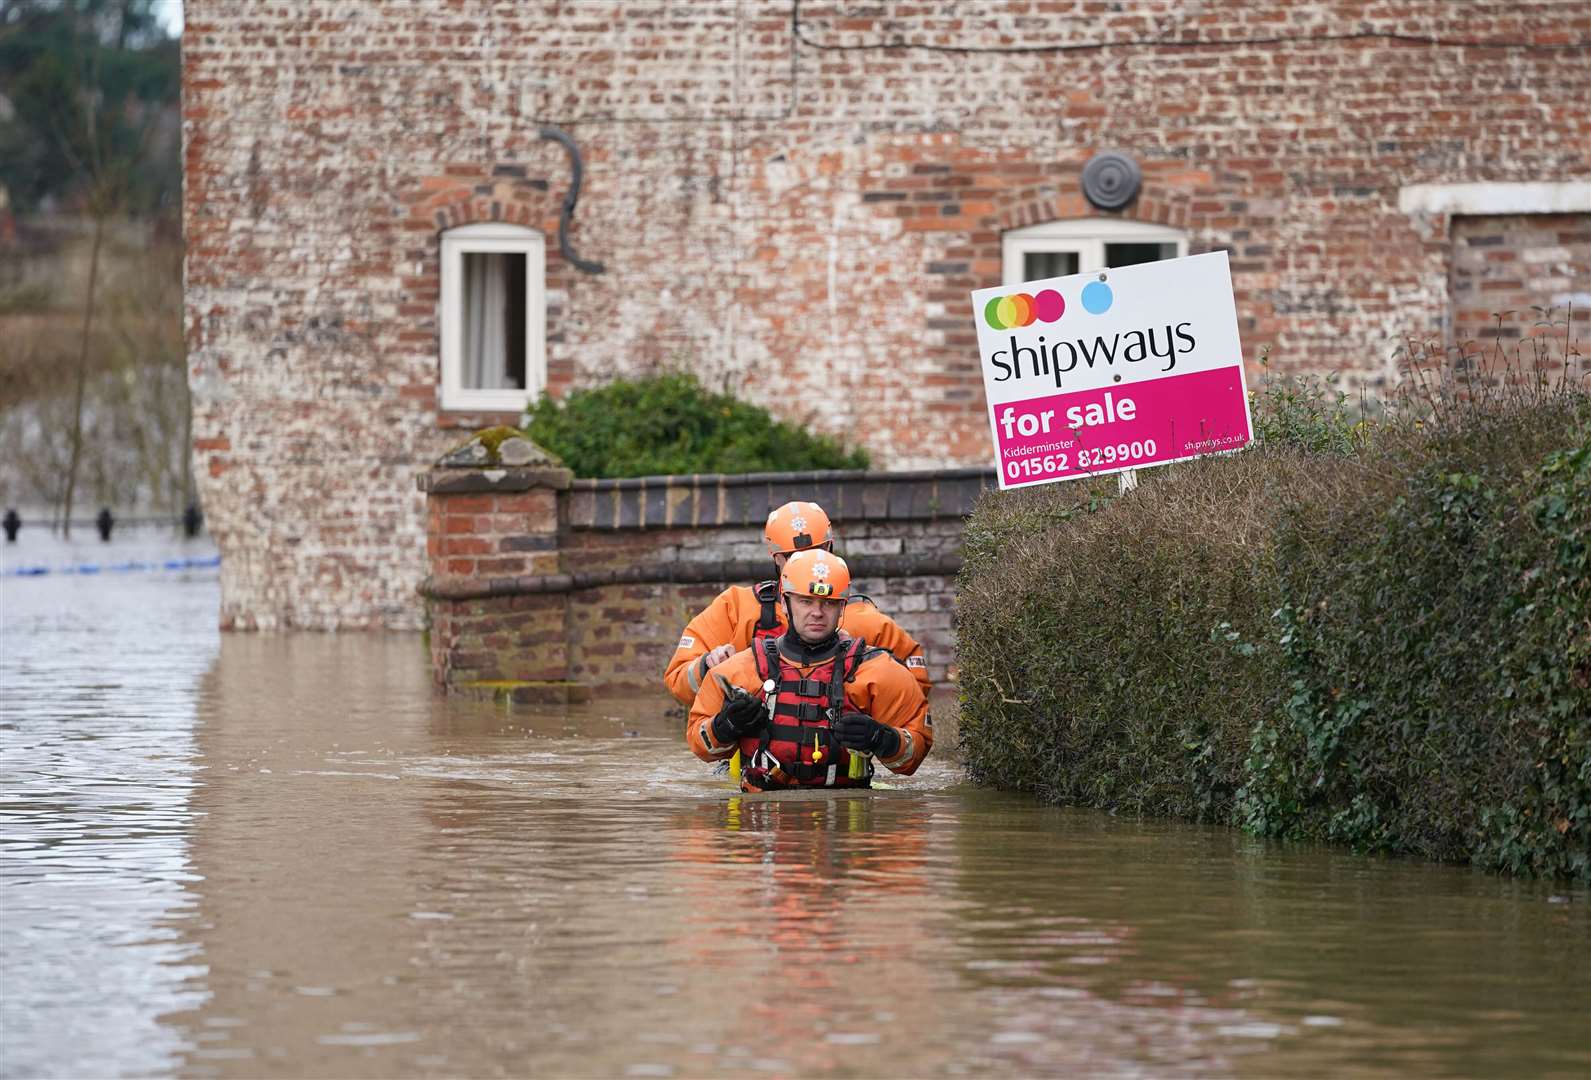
point(814, 618)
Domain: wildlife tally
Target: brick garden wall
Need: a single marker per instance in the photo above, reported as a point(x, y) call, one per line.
point(793, 199)
point(541, 586)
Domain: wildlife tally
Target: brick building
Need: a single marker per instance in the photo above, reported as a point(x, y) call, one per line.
point(795, 199)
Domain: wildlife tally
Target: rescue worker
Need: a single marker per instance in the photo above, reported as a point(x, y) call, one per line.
point(811, 707)
point(741, 613)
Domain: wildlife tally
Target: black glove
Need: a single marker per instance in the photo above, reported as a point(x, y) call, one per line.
point(858, 731)
point(741, 715)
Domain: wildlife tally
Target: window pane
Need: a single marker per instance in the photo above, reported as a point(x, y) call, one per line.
point(1048, 264)
point(514, 322)
point(494, 321)
point(1131, 254)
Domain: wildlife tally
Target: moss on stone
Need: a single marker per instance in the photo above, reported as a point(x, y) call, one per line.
point(493, 437)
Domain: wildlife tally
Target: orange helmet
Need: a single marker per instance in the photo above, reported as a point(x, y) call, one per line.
point(820, 574)
point(796, 526)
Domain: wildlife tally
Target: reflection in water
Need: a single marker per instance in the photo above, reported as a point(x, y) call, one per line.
point(96, 786)
point(283, 855)
point(812, 908)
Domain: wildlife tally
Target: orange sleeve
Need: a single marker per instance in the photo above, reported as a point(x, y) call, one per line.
point(716, 624)
point(863, 620)
point(740, 670)
point(883, 690)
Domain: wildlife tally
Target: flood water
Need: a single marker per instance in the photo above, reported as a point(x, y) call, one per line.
point(246, 855)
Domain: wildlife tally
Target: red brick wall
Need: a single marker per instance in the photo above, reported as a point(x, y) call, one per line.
point(622, 635)
point(797, 208)
point(539, 585)
point(496, 534)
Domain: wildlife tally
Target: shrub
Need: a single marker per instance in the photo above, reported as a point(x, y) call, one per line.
point(1307, 413)
point(669, 423)
point(1108, 656)
point(1370, 633)
point(1434, 620)
point(1114, 653)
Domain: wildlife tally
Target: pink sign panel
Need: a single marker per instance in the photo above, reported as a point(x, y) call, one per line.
point(1125, 426)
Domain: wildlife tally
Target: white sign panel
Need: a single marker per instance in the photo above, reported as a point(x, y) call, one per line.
point(1114, 369)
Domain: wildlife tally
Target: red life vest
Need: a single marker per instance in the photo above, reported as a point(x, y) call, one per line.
point(797, 747)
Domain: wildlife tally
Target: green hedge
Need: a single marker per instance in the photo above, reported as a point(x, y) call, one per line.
point(1377, 634)
point(668, 424)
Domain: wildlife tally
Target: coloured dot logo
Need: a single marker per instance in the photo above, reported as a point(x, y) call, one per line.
point(1097, 298)
point(1021, 309)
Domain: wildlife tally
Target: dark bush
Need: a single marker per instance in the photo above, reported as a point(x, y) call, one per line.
point(670, 423)
point(1434, 621)
point(1112, 658)
point(1372, 633)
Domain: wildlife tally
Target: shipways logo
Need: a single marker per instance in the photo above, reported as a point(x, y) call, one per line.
point(1025, 309)
point(1056, 358)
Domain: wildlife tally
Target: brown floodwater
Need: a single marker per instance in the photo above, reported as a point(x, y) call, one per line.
point(250, 855)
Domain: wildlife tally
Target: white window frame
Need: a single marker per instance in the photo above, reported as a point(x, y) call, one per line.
point(492, 238)
point(1085, 237)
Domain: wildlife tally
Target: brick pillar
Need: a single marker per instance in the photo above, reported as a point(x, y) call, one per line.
point(498, 624)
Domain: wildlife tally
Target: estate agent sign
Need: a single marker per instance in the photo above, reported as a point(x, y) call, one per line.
point(1114, 369)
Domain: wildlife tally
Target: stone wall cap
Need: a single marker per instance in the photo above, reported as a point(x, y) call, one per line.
point(451, 480)
point(759, 479)
point(498, 447)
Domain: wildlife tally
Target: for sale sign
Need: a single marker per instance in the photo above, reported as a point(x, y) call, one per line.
point(1114, 369)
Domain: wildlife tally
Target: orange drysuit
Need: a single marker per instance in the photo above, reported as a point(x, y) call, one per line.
point(732, 619)
point(879, 685)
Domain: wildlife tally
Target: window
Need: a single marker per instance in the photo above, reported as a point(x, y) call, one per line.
point(1058, 248)
point(493, 317)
